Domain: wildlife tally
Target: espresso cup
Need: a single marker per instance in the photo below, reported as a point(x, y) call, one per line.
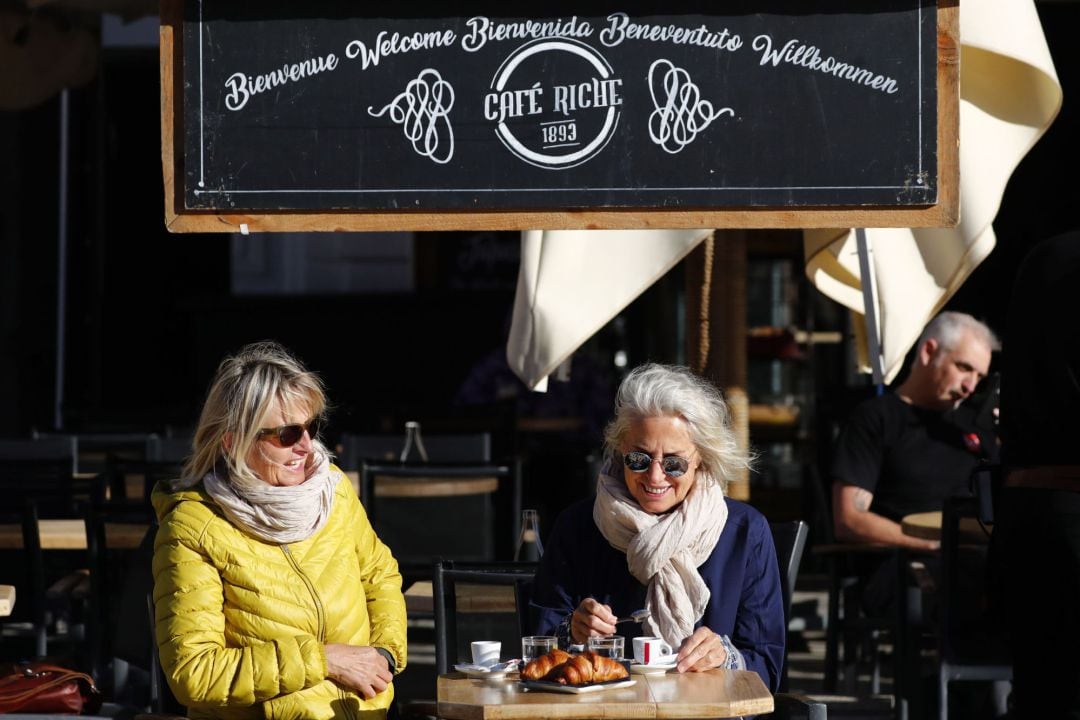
point(612, 646)
point(533, 646)
point(486, 652)
point(652, 651)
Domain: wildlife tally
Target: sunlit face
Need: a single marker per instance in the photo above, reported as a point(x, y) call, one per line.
point(955, 373)
point(659, 437)
point(278, 465)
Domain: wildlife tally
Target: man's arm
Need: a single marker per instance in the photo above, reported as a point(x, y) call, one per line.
point(853, 521)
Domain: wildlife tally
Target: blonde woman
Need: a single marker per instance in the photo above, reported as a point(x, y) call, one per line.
point(661, 535)
point(273, 596)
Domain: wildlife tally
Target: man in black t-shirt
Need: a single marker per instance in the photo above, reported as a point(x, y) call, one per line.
point(906, 451)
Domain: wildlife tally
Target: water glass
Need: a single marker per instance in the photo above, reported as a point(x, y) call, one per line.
point(533, 646)
point(612, 646)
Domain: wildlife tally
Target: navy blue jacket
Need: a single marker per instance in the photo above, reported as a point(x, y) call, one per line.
point(745, 601)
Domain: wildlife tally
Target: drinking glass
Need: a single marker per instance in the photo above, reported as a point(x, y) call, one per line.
point(612, 646)
point(533, 646)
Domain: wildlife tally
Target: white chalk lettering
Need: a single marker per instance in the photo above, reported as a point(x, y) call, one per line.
point(595, 93)
point(621, 29)
point(242, 88)
point(795, 53)
point(422, 110)
point(680, 114)
point(482, 30)
point(387, 44)
point(513, 103)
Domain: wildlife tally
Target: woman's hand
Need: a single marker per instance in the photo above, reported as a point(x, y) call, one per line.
point(591, 618)
point(358, 668)
point(701, 651)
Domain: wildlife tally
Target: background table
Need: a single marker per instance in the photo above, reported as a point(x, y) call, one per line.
point(927, 525)
point(7, 599)
point(470, 598)
point(712, 694)
point(71, 535)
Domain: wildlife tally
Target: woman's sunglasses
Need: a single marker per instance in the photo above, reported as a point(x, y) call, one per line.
point(672, 465)
point(289, 435)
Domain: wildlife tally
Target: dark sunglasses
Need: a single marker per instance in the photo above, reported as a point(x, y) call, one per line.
point(289, 435)
point(672, 465)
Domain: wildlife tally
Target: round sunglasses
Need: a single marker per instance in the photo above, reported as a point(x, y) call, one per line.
point(672, 465)
point(289, 435)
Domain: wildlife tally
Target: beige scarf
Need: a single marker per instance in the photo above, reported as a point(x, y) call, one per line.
point(664, 551)
point(275, 514)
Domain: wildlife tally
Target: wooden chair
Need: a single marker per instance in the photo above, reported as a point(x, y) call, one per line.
point(468, 512)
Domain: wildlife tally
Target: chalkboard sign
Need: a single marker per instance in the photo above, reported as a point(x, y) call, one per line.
point(593, 114)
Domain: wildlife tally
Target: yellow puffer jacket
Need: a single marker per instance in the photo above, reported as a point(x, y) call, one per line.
point(241, 623)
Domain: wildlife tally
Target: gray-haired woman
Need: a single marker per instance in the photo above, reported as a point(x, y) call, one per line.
point(661, 535)
point(273, 595)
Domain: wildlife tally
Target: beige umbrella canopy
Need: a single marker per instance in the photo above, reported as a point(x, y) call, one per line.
point(572, 283)
point(1009, 95)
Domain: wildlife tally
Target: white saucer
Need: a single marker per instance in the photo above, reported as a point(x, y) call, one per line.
point(479, 672)
point(654, 669)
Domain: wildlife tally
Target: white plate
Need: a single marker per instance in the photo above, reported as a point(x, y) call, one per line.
point(477, 672)
point(652, 669)
point(577, 690)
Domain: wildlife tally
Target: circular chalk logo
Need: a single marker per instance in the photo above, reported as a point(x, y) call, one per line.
point(555, 102)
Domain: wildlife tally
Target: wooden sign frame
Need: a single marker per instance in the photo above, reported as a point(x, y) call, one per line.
point(178, 218)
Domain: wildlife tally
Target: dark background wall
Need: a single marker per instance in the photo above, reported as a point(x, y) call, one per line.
point(149, 314)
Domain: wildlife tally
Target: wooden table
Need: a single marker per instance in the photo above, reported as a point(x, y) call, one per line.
point(712, 694)
point(470, 598)
point(927, 525)
point(71, 535)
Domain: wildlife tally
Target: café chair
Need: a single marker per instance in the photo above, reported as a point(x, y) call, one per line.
point(164, 449)
point(789, 539)
point(109, 565)
point(507, 624)
point(353, 449)
point(847, 627)
point(468, 512)
point(789, 706)
point(968, 646)
point(35, 491)
point(58, 451)
point(131, 481)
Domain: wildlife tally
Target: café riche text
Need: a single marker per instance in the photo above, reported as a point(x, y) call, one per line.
point(619, 28)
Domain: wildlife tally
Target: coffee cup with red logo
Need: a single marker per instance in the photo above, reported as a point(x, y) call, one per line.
point(652, 651)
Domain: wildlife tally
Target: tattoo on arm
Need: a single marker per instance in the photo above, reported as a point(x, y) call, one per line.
point(862, 499)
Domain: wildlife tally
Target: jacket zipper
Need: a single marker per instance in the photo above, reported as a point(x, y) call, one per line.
point(320, 613)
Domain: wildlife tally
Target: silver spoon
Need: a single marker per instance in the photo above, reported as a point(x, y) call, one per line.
point(636, 616)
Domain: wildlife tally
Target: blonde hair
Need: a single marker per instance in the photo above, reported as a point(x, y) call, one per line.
point(240, 398)
point(654, 390)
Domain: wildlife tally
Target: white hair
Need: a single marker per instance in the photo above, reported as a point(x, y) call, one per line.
point(948, 329)
point(654, 390)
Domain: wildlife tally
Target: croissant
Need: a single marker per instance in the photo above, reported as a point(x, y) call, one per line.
point(588, 667)
point(536, 669)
